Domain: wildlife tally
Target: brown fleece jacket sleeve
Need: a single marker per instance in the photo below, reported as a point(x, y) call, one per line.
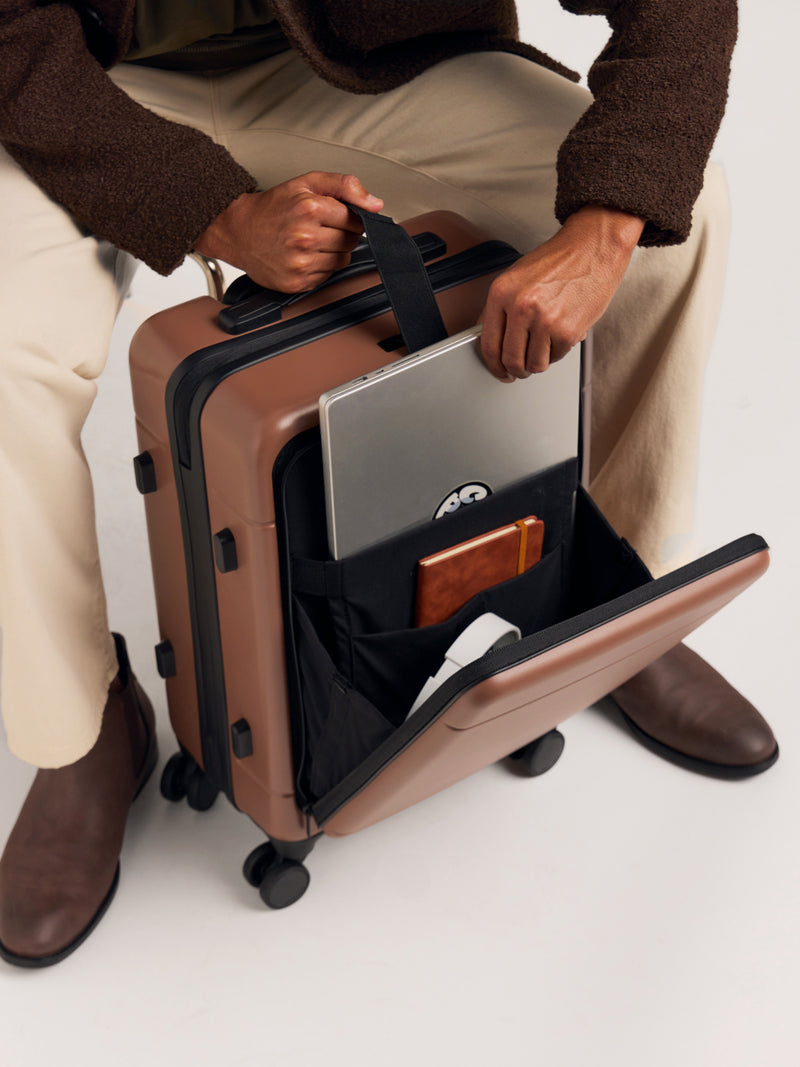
point(660, 88)
point(147, 185)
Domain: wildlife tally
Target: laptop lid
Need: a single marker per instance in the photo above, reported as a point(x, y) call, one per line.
point(433, 432)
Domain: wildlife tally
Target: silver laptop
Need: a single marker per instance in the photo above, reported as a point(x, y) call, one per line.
point(435, 432)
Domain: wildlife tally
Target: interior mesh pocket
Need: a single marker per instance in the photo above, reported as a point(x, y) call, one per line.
point(341, 727)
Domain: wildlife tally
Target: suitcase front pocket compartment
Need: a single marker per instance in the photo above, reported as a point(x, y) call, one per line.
point(352, 619)
point(358, 614)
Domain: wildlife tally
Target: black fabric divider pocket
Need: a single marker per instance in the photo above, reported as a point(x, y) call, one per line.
point(390, 668)
point(342, 727)
point(373, 591)
point(604, 565)
point(358, 661)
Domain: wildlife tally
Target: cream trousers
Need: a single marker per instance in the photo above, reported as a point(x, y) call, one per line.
point(477, 135)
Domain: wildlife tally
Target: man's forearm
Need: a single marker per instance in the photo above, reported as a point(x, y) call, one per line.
point(615, 232)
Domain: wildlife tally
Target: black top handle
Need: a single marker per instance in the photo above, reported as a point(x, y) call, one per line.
point(400, 261)
point(405, 279)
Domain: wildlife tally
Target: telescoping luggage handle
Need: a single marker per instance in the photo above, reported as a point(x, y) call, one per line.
point(400, 261)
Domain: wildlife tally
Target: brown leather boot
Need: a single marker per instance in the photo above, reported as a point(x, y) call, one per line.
point(60, 867)
point(685, 711)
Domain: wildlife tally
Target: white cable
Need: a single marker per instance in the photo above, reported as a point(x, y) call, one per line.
point(485, 634)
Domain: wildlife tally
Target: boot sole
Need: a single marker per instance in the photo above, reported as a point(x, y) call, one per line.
point(57, 957)
point(726, 771)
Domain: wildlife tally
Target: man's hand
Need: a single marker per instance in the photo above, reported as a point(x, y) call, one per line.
point(546, 303)
point(291, 237)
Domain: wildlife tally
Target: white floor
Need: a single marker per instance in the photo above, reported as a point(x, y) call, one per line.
point(616, 911)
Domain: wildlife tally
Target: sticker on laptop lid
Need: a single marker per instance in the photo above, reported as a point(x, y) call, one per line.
point(466, 494)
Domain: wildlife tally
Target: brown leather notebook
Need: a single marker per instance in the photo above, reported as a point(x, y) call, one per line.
point(448, 579)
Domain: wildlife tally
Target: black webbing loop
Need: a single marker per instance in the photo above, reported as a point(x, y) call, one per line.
point(405, 279)
point(316, 577)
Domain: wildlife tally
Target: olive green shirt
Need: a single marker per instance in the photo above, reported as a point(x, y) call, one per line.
point(219, 34)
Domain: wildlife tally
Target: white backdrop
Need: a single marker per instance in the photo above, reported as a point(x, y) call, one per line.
point(616, 911)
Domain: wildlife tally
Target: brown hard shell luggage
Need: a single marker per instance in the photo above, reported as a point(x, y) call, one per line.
point(289, 675)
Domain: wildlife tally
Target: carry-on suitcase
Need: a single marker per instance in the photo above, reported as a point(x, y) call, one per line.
point(289, 675)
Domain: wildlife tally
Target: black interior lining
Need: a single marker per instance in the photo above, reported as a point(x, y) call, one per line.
point(355, 651)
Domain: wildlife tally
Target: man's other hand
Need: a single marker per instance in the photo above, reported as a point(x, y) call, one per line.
point(546, 303)
point(291, 237)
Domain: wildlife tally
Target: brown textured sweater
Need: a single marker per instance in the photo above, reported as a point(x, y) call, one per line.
point(151, 186)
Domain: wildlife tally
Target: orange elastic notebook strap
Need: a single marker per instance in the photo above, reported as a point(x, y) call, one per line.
point(523, 545)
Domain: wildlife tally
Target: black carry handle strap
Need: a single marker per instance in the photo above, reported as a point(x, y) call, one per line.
point(405, 279)
point(243, 287)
